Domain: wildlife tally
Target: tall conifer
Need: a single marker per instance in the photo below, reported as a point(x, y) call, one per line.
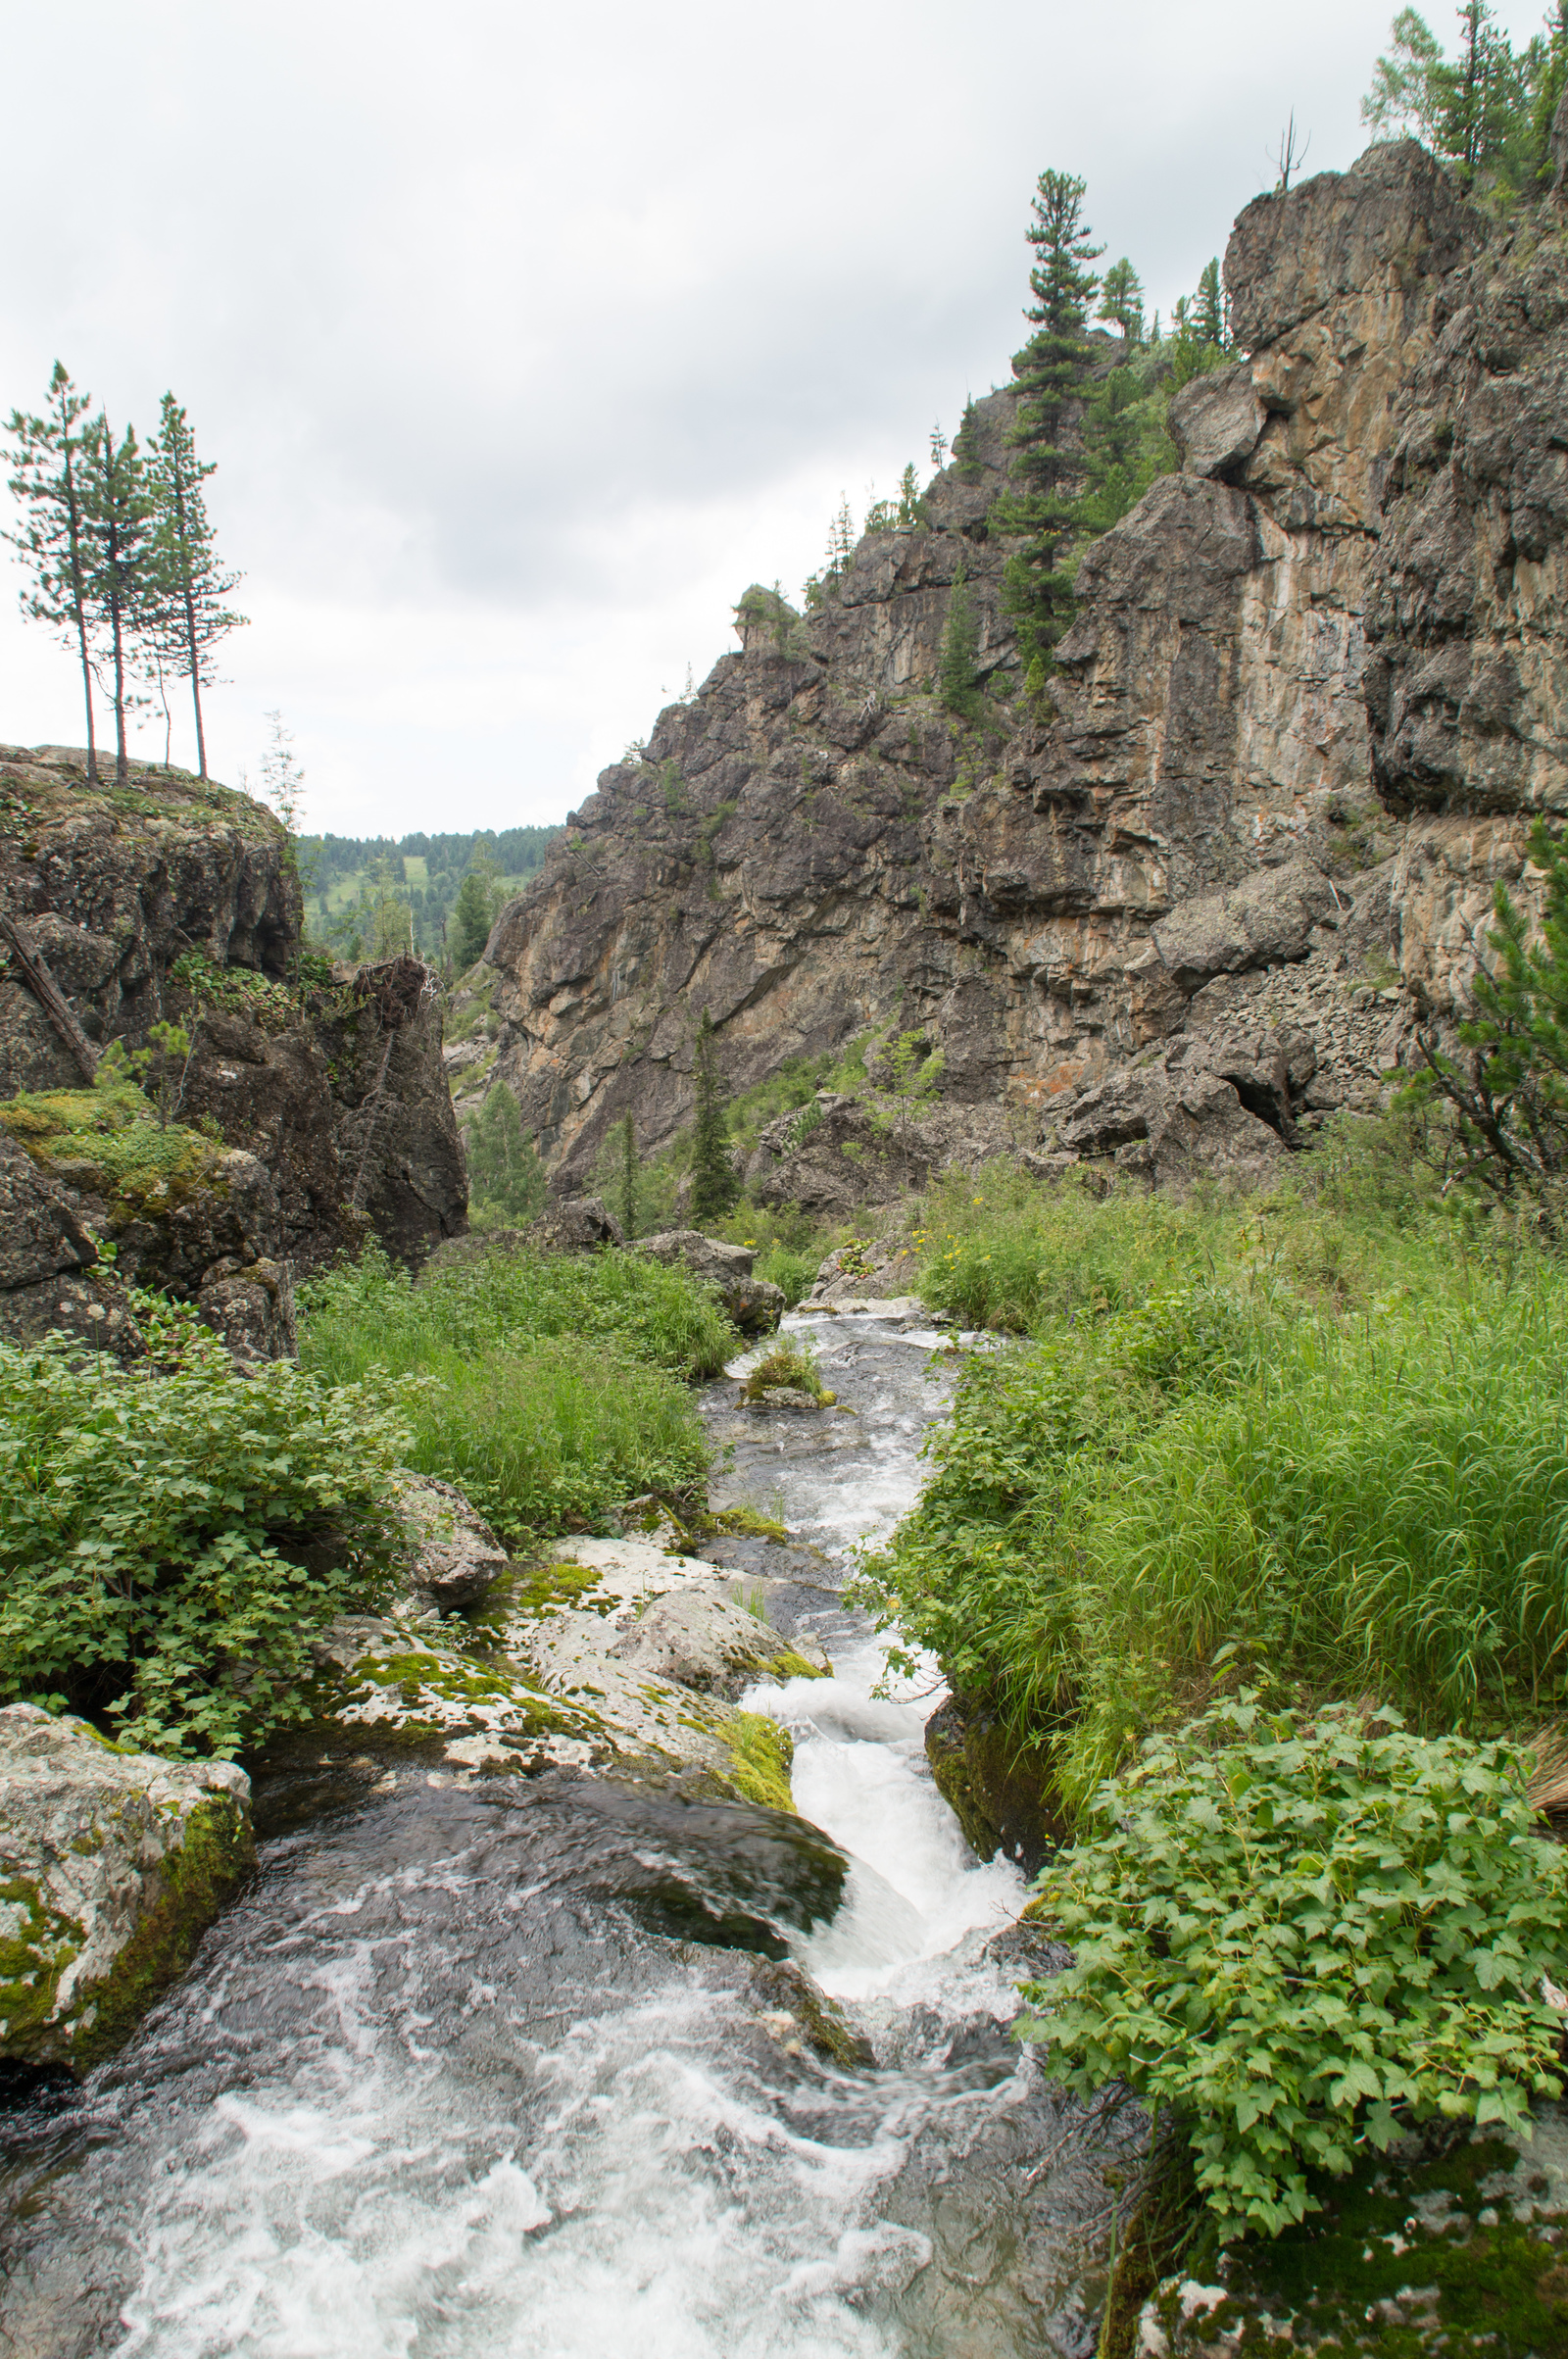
point(714, 1186)
point(1050, 371)
point(47, 478)
point(192, 614)
point(122, 559)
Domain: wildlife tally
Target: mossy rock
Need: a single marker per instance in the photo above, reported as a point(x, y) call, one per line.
point(194, 1883)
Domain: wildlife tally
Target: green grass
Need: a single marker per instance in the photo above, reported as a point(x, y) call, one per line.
point(556, 1384)
point(1319, 1439)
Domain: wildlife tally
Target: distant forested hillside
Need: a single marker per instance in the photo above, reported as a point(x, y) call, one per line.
point(369, 894)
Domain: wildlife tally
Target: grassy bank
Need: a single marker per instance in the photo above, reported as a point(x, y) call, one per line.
point(552, 1386)
point(1319, 1439)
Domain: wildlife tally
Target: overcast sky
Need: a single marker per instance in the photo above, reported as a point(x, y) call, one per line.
point(524, 337)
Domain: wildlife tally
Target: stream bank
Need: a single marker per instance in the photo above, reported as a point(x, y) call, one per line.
point(536, 2064)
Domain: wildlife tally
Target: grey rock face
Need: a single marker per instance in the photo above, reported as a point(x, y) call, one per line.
point(1215, 422)
point(341, 1101)
point(51, 1277)
point(753, 1305)
point(1315, 686)
point(100, 1850)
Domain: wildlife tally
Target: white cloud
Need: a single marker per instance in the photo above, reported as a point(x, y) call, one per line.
point(526, 337)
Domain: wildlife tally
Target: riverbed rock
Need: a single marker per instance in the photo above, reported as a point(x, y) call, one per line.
point(702, 1639)
point(112, 1864)
point(753, 1305)
point(552, 1671)
point(1000, 1800)
point(457, 1557)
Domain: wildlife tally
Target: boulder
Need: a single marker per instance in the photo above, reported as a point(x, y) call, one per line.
point(252, 1308)
point(456, 1557)
point(581, 1224)
point(699, 1639)
point(753, 1305)
point(1166, 1123)
point(112, 1865)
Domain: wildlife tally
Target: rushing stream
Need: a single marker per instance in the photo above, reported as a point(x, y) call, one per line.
point(489, 2072)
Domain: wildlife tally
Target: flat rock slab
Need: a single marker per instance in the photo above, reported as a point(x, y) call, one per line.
point(112, 1864)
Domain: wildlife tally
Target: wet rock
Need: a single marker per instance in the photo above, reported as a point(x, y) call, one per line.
point(1000, 1800)
point(702, 1639)
point(457, 1557)
point(110, 1866)
point(783, 1397)
point(753, 1305)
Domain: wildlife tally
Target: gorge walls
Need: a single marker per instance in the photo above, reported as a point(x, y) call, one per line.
point(1313, 695)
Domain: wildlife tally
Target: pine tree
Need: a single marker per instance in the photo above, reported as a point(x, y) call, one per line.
point(471, 919)
point(911, 507)
point(714, 1186)
point(506, 1177)
point(629, 1189)
point(1049, 369)
point(1208, 312)
point(966, 445)
point(958, 675)
point(1121, 301)
point(192, 614)
point(47, 469)
point(122, 569)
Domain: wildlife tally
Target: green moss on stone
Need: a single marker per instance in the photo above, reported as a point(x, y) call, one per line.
point(194, 1883)
point(762, 1753)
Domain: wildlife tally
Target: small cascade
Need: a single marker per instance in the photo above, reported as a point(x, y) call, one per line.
point(528, 2067)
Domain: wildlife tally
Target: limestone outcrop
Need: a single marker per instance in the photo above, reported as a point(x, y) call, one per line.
point(112, 1865)
point(1201, 894)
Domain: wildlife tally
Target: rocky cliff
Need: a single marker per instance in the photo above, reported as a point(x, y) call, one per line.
point(1313, 695)
point(309, 1111)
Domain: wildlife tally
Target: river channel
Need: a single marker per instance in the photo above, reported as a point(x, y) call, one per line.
point(485, 2072)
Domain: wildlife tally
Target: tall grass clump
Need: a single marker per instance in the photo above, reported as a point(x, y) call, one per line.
point(1384, 1506)
point(1268, 1469)
point(1000, 1251)
point(555, 1382)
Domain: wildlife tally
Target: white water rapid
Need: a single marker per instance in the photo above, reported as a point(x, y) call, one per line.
point(456, 2079)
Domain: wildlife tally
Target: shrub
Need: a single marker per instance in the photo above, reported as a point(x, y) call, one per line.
point(556, 1388)
point(162, 1557)
point(1302, 1935)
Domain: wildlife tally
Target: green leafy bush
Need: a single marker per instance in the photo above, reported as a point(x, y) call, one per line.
point(556, 1386)
point(169, 1544)
point(1301, 1935)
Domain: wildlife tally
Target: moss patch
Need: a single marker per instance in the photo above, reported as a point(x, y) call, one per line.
point(1402, 2260)
point(532, 1593)
point(194, 1883)
point(110, 1143)
point(761, 1752)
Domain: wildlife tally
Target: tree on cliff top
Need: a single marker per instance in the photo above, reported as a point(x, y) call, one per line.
point(190, 613)
point(1485, 110)
point(122, 569)
point(1050, 371)
point(714, 1186)
point(47, 478)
